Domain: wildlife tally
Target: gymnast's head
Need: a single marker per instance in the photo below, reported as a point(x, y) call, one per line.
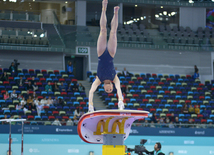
point(108, 86)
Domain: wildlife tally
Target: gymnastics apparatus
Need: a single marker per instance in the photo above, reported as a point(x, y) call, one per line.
point(14, 120)
point(108, 127)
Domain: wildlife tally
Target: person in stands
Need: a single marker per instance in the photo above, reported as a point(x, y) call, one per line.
point(70, 68)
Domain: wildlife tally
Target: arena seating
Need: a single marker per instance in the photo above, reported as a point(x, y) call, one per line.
point(24, 36)
point(72, 100)
point(163, 95)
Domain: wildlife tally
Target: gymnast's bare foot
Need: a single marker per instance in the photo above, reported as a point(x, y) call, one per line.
point(116, 8)
point(105, 3)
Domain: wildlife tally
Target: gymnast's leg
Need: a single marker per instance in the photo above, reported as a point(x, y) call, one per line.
point(102, 39)
point(112, 43)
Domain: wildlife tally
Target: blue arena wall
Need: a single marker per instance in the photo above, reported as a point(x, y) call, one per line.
point(65, 141)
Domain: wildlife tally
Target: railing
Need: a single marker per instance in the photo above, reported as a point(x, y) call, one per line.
point(22, 16)
point(58, 28)
point(182, 3)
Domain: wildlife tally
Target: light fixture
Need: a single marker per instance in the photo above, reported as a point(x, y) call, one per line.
point(135, 5)
point(157, 16)
point(33, 0)
point(141, 18)
point(169, 14)
point(144, 17)
point(160, 14)
point(165, 13)
point(134, 19)
point(172, 13)
point(212, 0)
point(191, 1)
point(138, 19)
point(4, 0)
point(124, 23)
point(161, 7)
point(66, 2)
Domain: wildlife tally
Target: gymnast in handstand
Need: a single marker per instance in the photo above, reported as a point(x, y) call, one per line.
point(106, 51)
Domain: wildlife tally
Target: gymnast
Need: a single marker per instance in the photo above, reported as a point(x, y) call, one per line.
point(105, 71)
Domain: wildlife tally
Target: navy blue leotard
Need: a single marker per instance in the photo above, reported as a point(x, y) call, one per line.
point(105, 69)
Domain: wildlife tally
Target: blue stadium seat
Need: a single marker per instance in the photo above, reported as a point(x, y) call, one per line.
point(212, 116)
point(60, 97)
point(179, 106)
point(167, 105)
point(44, 93)
point(181, 115)
point(130, 105)
point(37, 117)
point(158, 110)
point(148, 105)
point(209, 120)
point(76, 103)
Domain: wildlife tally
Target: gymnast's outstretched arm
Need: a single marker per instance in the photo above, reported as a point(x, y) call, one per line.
point(94, 86)
point(117, 85)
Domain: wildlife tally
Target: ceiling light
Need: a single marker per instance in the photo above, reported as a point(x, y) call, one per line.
point(165, 13)
point(160, 14)
point(212, 0)
point(33, 0)
point(191, 1)
point(124, 23)
point(144, 17)
point(66, 2)
point(169, 14)
point(141, 18)
point(135, 5)
point(161, 7)
point(138, 19)
point(156, 16)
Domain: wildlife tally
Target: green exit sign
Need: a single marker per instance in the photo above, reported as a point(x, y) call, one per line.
point(82, 50)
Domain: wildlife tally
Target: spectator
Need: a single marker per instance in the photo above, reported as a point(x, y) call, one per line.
point(55, 87)
point(172, 117)
point(177, 123)
point(117, 70)
point(4, 77)
point(34, 95)
point(196, 69)
point(6, 96)
point(167, 120)
point(48, 87)
point(19, 97)
point(44, 102)
point(32, 107)
point(75, 121)
point(62, 87)
point(70, 122)
point(171, 125)
point(61, 102)
point(81, 88)
point(35, 87)
point(50, 101)
point(29, 86)
point(146, 124)
point(152, 125)
point(125, 72)
point(55, 101)
point(75, 87)
point(29, 101)
point(77, 112)
point(19, 106)
point(70, 68)
point(57, 122)
point(185, 109)
point(27, 94)
point(63, 122)
point(197, 110)
point(39, 108)
point(191, 109)
point(12, 68)
point(191, 122)
point(70, 87)
point(26, 83)
point(36, 101)
point(23, 101)
point(13, 95)
point(154, 118)
point(196, 75)
point(33, 79)
point(20, 82)
point(210, 125)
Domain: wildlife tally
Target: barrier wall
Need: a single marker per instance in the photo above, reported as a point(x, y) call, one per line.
point(65, 141)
